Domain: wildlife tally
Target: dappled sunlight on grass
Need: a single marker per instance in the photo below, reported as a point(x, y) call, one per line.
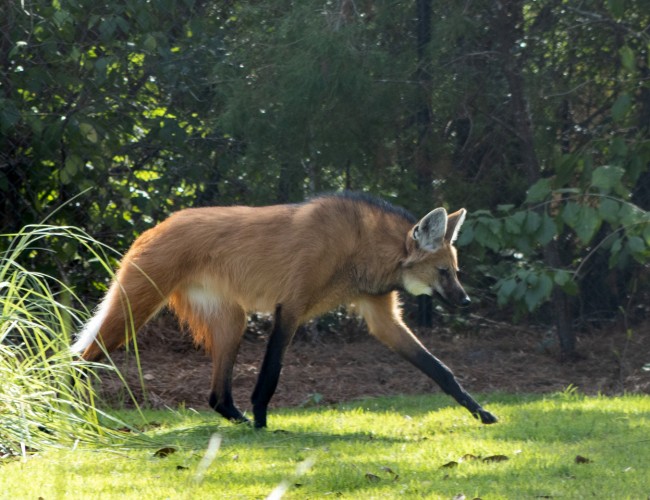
point(388, 447)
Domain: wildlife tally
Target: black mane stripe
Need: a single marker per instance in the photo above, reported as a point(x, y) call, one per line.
point(371, 200)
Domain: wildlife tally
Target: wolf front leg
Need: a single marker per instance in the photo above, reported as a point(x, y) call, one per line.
point(383, 316)
point(284, 328)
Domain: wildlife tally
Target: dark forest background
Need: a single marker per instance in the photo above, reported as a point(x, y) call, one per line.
point(534, 115)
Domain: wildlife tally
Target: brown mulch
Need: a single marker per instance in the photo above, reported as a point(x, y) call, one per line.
point(332, 367)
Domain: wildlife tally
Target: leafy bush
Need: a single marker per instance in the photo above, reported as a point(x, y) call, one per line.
point(593, 218)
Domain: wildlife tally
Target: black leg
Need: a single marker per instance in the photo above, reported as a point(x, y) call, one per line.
point(281, 335)
point(445, 378)
point(383, 317)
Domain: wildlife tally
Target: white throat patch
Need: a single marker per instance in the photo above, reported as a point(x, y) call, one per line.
point(416, 287)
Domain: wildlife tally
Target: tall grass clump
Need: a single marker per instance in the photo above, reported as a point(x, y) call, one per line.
point(46, 394)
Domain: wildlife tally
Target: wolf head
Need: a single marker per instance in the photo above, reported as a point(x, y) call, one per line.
point(431, 264)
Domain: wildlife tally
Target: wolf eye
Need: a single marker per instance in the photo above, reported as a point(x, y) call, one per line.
point(444, 272)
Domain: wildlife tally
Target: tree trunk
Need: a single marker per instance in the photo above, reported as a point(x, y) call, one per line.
point(290, 183)
point(423, 160)
point(509, 32)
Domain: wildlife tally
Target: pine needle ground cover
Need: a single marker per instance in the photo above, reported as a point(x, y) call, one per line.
point(560, 446)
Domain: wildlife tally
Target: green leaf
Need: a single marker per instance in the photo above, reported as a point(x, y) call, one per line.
point(515, 222)
point(88, 132)
point(607, 177)
point(618, 148)
point(636, 245)
point(627, 58)
point(587, 224)
point(505, 289)
point(520, 290)
point(533, 221)
point(532, 279)
point(9, 115)
point(101, 67)
point(487, 233)
point(547, 230)
point(73, 165)
point(107, 28)
point(150, 43)
point(466, 235)
point(616, 7)
point(571, 288)
point(621, 106)
point(561, 277)
point(539, 292)
point(61, 18)
point(570, 213)
point(565, 169)
point(629, 215)
point(608, 209)
point(539, 191)
point(546, 286)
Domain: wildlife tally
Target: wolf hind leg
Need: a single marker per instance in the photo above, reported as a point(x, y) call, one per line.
point(219, 327)
point(226, 339)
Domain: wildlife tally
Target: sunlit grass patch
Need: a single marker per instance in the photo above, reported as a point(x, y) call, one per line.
point(414, 447)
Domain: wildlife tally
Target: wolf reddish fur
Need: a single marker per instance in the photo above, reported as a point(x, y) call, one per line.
point(213, 265)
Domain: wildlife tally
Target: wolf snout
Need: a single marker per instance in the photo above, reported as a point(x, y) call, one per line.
point(464, 301)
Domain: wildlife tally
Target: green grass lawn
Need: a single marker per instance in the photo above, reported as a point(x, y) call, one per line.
point(417, 447)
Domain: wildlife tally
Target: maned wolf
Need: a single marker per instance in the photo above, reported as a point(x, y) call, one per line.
point(213, 265)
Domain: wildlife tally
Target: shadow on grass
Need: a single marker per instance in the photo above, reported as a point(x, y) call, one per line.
point(393, 446)
point(550, 418)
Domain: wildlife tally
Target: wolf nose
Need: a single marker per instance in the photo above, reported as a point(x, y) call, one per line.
point(465, 301)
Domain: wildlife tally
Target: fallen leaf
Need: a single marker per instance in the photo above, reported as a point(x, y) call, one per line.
point(467, 456)
point(372, 478)
point(449, 465)
point(164, 452)
point(390, 471)
point(582, 460)
point(496, 458)
point(181, 467)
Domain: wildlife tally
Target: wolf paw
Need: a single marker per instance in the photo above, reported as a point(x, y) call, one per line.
point(485, 416)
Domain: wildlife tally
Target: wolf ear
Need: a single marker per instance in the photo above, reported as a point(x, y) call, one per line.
point(454, 222)
point(430, 232)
